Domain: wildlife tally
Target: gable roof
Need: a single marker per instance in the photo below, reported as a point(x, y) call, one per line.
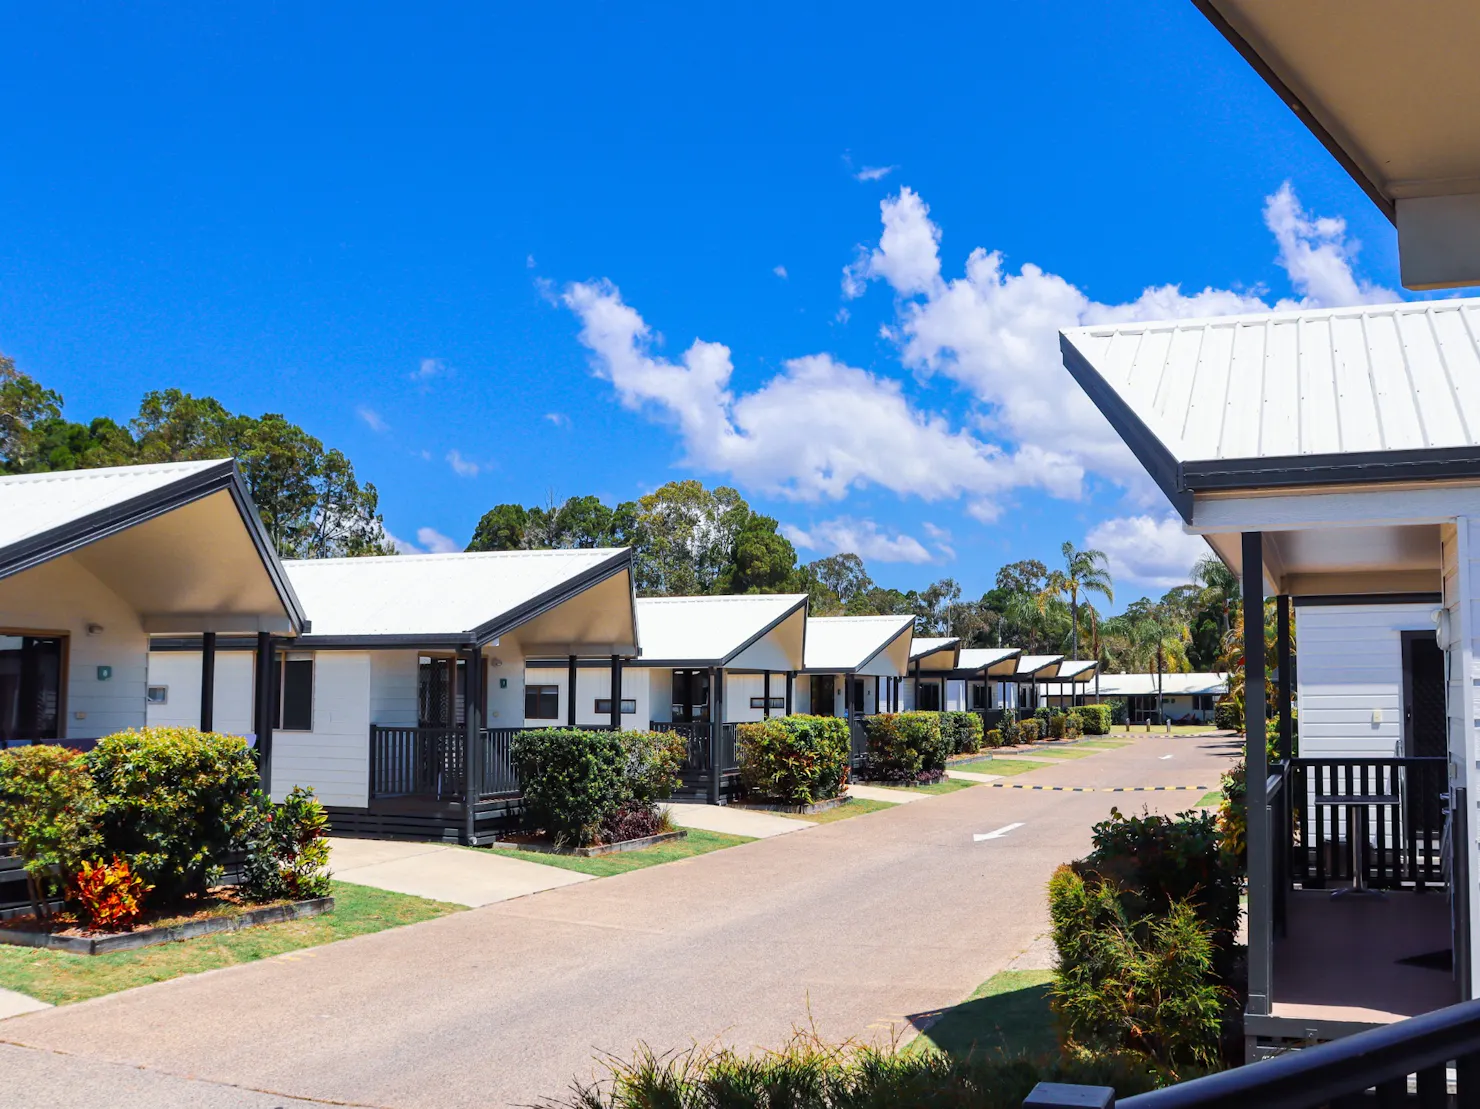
point(1142, 685)
point(44, 516)
point(840, 644)
point(1318, 397)
point(1076, 670)
point(926, 646)
point(1038, 666)
point(982, 658)
point(709, 631)
point(463, 598)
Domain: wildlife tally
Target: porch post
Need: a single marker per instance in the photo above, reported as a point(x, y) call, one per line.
point(877, 708)
point(766, 695)
point(1282, 645)
point(473, 733)
point(791, 676)
point(716, 723)
point(616, 693)
point(570, 692)
point(1256, 761)
point(917, 686)
point(208, 682)
point(266, 705)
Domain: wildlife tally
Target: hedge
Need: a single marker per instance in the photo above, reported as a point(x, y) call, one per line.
point(1096, 718)
point(962, 732)
point(905, 747)
point(794, 760)
point(1029, 730)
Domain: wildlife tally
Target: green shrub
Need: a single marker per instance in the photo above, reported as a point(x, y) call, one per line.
point(905, 747)
point(1057, 726)
point(1096, 718)
point(653, 763)
point(993, 737)
point(962, 732)
point(1233, 814)
point(794, 760)
point(1029, 731)
point(1008, 726)
point(1120, 712)
point(1138, 983)
point(287, 854)
point(1228, 715)
point(1073, 724)
point(572, 779)
point(49, 807)
point(174, 802)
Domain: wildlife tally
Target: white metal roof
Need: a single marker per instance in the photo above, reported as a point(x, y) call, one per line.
point(707, 629)
point(432, 594)
point(1142, 685)
point(1076, 669)
point(979, 658)
point(928, 644)
point(32, 504)
point(1191, 396)
point(1032, 664)
point(844, 643)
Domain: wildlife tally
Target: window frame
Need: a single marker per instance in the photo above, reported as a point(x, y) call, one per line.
point(604, 706)
point(149, 699)
point(760, 702)
point(281, 684)
point(541, 690)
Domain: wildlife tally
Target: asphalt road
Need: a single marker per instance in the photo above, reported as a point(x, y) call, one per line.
point(854, 928)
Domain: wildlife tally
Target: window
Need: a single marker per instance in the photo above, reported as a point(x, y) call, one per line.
point(929, 698)
point(542, 702)
point(857, 694)
point(604, 706)
point(295, 695)
point(158, 695)
point(30, 687)
point(760, 703)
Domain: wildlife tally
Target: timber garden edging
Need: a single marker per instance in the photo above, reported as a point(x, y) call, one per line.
point(148, 937)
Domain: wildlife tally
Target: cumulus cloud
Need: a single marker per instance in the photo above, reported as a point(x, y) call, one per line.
point(780, 271)
point(1152, 551)
point(428, 541)
point(861, 537)
point(462, 467)
point(372, 418)
point(1317, 254)
point(818, 429)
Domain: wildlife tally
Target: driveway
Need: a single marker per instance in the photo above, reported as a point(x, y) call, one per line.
point(851, 927)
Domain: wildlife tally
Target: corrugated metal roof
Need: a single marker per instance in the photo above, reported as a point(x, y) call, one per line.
point(1143, 685)
point(432, 594)
point(1031, 664)
point(841, 643)
point(1075, 669)
point(979, 658)
point(31, 504)
point(1389, 377)
point(927, 645)
point(707, 629)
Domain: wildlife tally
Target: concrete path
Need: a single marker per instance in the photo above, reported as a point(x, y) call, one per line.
point(971, 776)
point(855, 927)
point(883, 793)
point(13, 1004)
point(735, 821)
point(443, 873)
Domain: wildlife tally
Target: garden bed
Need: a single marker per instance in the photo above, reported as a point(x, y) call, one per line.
point(221, 914)
point(795, 810)
point(545, 846)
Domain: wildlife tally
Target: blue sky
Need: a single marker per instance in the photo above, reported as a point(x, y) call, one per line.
point(473, 246)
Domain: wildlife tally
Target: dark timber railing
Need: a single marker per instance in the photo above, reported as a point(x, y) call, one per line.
point(699, 744)
point(858, 740)
point(1379, 1063)
point(417, 762)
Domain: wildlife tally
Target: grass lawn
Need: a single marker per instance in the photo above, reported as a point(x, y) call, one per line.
point(856, 807)
point(946, 785)
point(1075, 752)
point(1007, 1012)
point(1004, 766)
point(1102, 744)
point(1214, 797)
point(1160, 729)
point(697, 842)
point(59, 977)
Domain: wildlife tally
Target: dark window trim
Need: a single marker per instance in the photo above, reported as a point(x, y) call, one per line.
point(604, 706)
point(760, 702)
point(281, 684)
point(539, 692)
point(1330, 600)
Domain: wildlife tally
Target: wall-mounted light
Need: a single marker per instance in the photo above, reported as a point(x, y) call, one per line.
point(1441, 626)
point(95, 629)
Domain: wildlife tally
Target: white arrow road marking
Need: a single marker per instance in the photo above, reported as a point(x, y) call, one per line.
point(1165, 757)
point(998, 834)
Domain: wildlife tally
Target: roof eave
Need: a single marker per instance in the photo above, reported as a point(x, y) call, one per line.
point(1350, 468)
point(555, 596)
point(769, 628)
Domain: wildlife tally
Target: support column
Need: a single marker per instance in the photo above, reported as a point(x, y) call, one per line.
point(791, 677)
point(766, 695)
point(1282, 647)
point(616, 717)
point(570, 693)
point(877, 706)
point(716, 720)
point(1256, 760)
point(208, 682)
point(917, 687)
point(473, 734)
point(265, 707)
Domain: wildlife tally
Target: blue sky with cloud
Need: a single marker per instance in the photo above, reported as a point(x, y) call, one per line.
point(514, 254)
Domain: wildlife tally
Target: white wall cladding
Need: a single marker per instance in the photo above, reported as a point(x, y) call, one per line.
point(394, 678)
point(179, 671)
point(61, 597)
point(593, 682)
point(1461, 569)
point(1350, 665)
point(334, 758)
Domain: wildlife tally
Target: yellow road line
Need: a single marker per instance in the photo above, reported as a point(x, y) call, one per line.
point(1100, 789)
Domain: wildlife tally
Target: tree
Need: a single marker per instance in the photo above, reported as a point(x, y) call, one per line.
point(502, 528)
point(1150, 634)
point(1025, 576)
point(1084, 572)
point(763, 560)
point(835, 581)
point(24, 405)
point(64, 445)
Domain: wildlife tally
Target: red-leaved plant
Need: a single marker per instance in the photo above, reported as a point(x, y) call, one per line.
point(110, 894)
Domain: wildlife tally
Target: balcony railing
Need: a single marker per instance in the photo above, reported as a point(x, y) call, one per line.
point(698, 740)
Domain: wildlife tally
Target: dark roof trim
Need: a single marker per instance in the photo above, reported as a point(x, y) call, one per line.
point(552, 598)
point(1349, 468)
point(1327, 600)
point(79, 533)
point(868, 658)
point(772, 626)
point(953, 643)
point(1148, 449)
point(1374, 193)
point(1033, 674)
point(433, 642)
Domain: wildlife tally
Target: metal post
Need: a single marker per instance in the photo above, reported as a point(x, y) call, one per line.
point(208, 682)
point(916, 705)
point(791, 677)
point(766, 695)
point(616, 717)
point(876, 694)
point(473, 730)
point(266, 708)
point(570, 693)
point(1256, 761)
point(716, 722)
point(1282, 646)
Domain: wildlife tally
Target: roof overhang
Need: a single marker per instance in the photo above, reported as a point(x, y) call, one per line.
point(1045, 670)
point(891, 658)
point(799, 609)
point(943, 656)
point(1392, 91)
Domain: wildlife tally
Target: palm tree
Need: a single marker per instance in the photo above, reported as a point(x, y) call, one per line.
point(1220, 586)
point(1148, 635)
point(1084, 572)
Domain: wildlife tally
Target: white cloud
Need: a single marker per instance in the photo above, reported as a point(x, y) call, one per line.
point(818, 429)
point(1317, 254)
point(780, 271)
point(861, 537)
point(372, 418)
point(874, 173)
point(428, 541)
point(559, 419)
point(1153, 552)
point(529, 261)
point(429, 368)
point(463, 467)
point(908, 254)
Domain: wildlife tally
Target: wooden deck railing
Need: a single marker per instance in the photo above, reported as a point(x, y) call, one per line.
point(699, 744)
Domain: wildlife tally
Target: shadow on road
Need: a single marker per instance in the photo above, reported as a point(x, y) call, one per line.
point(1014, 1017)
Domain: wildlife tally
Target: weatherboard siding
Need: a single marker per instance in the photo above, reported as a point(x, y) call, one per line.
point(1461, 575)
point(179, 673)
point(333, 758)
